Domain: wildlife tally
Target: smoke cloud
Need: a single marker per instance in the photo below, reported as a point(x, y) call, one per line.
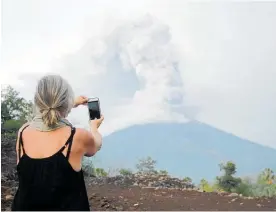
point(134, 71)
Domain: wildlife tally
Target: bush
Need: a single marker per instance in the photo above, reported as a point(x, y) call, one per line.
point(146, 166)
point(100, 172)
point(256, 189)
point(12, 125)
point(205, 186)
point(88, 168)
point(244, 188)
point(125, 172)
point(227, 181)
point(163, 172)
point(261, 190)
point(187, 180)
point(9, 136)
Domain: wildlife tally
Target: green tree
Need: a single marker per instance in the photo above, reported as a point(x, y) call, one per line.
point(262, 188)
point(125, 172)
point(14, 107)
point(187, 180)
point(146, 166)
point(100, 172)
point(246, 188)
point(163, 172)
point(13, 125)
point(266, 177)
point(227, 181)
point(229, 168)
point(88, 167)
point(205, 186)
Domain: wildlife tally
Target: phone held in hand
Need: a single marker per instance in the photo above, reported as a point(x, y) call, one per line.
point(94, 108)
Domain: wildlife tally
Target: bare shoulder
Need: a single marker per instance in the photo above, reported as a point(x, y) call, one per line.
point(19, 131)
point(82, 135)
point(23, 126)
point(80, 132)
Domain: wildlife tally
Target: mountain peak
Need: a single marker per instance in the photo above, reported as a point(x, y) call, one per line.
point(191, 149)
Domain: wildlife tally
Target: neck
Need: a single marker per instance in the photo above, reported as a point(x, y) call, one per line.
point(38, 124)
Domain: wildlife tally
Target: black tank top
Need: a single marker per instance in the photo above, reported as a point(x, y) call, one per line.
point(49, 184)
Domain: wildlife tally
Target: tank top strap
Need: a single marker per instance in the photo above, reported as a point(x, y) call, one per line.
point(69, 143)
point(21, 142)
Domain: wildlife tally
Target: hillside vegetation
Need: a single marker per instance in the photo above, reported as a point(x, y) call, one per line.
point(15, 111)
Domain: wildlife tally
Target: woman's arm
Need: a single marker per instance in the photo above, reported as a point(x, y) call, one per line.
point(97, 136)
point(92, 140)
point(80, 100)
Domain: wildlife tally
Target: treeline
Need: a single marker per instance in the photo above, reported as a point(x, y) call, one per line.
point(16, 110)
point(263, 186)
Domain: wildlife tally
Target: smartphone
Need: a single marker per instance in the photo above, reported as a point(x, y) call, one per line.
point(94, 108)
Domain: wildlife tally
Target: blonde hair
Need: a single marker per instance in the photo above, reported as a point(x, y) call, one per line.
point(54, 98)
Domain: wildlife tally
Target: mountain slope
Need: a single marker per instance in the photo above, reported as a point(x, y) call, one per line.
point(191, 149)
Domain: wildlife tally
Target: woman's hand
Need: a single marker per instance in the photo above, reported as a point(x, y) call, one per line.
point(80, 100)
point(96, 123)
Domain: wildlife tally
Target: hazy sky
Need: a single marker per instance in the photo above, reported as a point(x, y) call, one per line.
point(151, 61)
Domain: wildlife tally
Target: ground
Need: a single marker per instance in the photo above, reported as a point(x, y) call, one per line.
point(137, 194)
point(111, 197)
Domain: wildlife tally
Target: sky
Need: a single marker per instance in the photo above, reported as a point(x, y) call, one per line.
point(151, 61)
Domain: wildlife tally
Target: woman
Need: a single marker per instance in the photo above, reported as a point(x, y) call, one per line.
point(50, 152)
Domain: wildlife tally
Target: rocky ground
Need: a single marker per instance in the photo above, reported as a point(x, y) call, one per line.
point(110, 197)
point(137, 192)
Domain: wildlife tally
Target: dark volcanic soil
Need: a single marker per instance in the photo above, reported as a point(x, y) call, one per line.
point(125, 197)
point(115, 198)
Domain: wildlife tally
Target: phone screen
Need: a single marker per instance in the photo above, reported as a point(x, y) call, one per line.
point(94, 109)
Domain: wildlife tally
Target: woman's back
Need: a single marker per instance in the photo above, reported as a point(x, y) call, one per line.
point(49, 152)
point(48, 181)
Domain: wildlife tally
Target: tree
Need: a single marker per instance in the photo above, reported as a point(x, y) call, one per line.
point(12, 125)
point(263, 187)
point(229, 168)
point(203, 183)
point(227, 182)
point(246, 187)
point(125, 172)
point(88, 167)
point(146, 166)
point(205, 186)
point(14, 107)
point(163, 172)
point(187, 180)
point(100, 172)
point(266, 177)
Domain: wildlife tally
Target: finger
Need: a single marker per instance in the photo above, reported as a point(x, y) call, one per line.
point(84, 99)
